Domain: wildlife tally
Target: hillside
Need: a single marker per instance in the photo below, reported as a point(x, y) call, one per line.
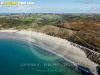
point(82, 29)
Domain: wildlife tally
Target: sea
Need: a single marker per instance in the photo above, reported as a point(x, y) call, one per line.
point(17, 58)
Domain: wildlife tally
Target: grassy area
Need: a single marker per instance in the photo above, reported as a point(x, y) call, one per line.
point(83, 16)
point(23, 27)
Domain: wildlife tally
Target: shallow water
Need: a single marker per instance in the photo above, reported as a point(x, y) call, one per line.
point(16, 58)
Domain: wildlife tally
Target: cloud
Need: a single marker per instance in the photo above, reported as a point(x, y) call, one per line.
point(20, 8)
point(77, 1)
point(91, 8)
point(84, 1)
point(86, 8)
point(39, 9)
point(98, 2)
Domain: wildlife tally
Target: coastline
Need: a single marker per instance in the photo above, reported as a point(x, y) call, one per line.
point(73, 53)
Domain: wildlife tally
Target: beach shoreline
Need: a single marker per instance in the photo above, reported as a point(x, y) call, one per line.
point(72, 53)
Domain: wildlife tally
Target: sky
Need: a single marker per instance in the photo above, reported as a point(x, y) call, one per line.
point(54, 6)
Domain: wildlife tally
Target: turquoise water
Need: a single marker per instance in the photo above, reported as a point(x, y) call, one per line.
point(16, 58)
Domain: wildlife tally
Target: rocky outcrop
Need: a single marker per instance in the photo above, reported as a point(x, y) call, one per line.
point(92, 55)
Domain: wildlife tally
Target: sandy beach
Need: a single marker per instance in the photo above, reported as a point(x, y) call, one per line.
point(58, 45)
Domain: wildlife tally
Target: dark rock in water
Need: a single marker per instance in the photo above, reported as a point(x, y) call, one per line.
point(84, 70)
point(98, 69)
